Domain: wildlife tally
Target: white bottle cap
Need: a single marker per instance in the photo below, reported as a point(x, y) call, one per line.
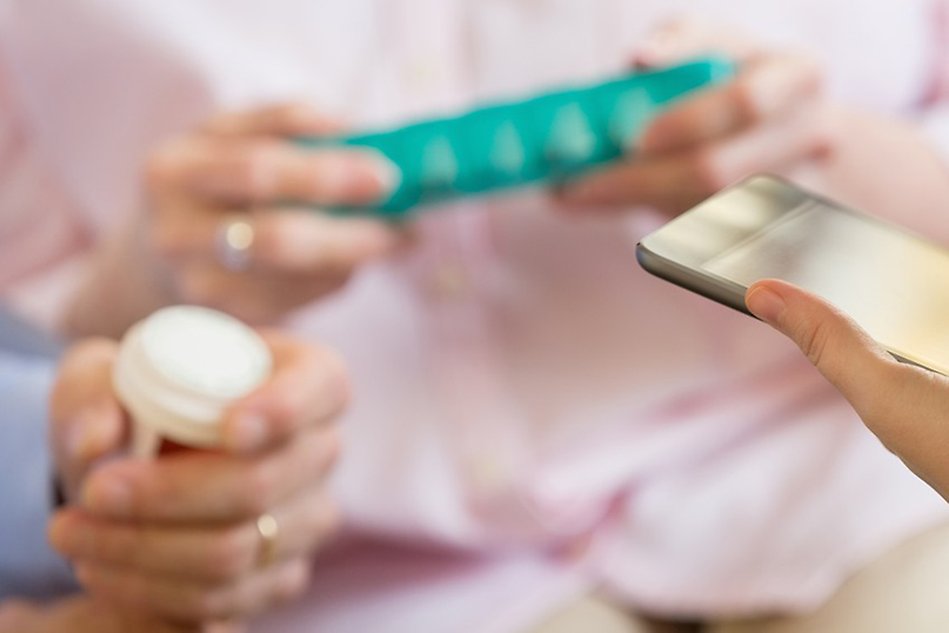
point(180, 369)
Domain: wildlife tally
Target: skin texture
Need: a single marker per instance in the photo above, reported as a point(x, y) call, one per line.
point(773, 117)
point(240, 166)
point(770, 117)
point(174, 540)
point(905, 406)
point(82, 614)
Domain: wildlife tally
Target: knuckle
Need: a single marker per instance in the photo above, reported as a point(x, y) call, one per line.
point(823, 127)
point(207, 604)
point(290, 582)
point(708, 171)
point(273, 235)
point(258, 489)
point(246, 167)
point(747, 104)
point(162, 166)
point(294, 114)
point(814, 341)
point(250, 170)
point(166, 239)
point(230, 556)
point(286, 415)
point(108, 547)
point(198, 288)
point(810, 74)
point(338, 378)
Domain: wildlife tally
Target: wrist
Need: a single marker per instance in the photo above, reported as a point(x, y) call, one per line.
point(126, 281)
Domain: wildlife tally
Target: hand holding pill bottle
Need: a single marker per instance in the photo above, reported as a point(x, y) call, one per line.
point(178, 371)
point(225, 524)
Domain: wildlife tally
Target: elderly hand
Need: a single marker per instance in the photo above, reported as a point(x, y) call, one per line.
point(905, 406)
point(178, 538)
point(221, 225)
point(82, 614)
point(770, 117)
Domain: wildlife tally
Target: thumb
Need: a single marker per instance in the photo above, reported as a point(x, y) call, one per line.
point(88, 422)
point(903, 405)
point(834, 343)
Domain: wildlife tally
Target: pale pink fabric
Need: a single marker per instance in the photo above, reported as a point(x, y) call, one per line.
point(534, 415)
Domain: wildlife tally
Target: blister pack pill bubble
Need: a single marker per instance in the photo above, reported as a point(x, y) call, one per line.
point(547, 138)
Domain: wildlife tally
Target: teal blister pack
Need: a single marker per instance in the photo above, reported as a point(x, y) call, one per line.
point(547, 138)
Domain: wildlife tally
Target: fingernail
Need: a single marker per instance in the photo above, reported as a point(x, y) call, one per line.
point(368, 177)
point(387, 174)
point(107, 495)
point(765, 304)
point(245, 433)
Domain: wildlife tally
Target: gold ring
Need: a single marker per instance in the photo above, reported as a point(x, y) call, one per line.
point(268, 529)
point(233, 244)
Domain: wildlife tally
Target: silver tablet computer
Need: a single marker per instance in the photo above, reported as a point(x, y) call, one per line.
point(893, 282)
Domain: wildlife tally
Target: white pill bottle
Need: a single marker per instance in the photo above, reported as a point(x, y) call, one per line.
point(179, 370)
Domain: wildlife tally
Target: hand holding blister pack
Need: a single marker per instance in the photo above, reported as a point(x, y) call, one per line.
point(179, 371)
point(545, 139)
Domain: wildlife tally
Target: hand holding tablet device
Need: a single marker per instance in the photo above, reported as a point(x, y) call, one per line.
point(893, 283)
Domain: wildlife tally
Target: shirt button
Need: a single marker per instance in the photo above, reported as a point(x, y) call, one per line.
point(449, 281)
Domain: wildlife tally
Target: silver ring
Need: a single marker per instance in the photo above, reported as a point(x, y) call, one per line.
point(268, 529)
point(233, 244)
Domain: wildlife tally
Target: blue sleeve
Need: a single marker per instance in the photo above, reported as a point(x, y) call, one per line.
point(28, 566)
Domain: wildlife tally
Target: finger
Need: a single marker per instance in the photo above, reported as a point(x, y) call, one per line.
point(254, 297)
point(308, 387)
point(87, 419)
point(290, 241)
point(903, 405)
point(208, 554)
point(18, 616)
point(765, 88)
point(181, 601)
point(673, 183)
point(198, 488)
point(288, 119)
point(294, 241)
point(843, 352)
point(256, 171)
point(80, 613)
point(681, 39)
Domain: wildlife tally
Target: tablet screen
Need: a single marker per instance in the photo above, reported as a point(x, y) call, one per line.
point(895, 284)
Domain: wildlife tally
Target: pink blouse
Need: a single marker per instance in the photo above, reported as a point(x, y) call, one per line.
point(534, 415)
